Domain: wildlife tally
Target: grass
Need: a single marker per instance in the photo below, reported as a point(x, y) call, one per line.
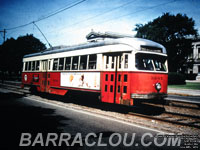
point(189, 85)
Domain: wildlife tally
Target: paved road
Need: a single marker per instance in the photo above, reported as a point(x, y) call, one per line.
point(22, 115)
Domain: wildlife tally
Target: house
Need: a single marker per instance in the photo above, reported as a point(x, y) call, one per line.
point(193, 62)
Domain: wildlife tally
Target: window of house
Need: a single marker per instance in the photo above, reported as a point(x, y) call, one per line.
point(199, 53)
point(199, 69)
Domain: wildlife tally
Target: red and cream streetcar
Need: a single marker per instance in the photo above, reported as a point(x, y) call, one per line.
point(118, 68)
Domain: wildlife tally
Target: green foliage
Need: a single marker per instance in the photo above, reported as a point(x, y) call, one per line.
point(191, 86)
point(172, 31)
point(12, 52)
point(176, 78)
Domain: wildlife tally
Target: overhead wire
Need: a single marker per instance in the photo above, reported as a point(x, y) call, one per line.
point(50, 15)
point(95, 16)
point(60, 10)
point(101, 14)
point(118, 17)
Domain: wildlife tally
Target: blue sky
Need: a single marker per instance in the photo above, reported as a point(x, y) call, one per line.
point(72, 25)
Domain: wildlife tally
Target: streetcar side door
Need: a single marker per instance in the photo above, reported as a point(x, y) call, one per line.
point(109, 77)
point(115, 78)
point(43, 81)
point(123, 80)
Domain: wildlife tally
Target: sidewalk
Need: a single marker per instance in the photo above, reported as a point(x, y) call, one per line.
point(183, 92)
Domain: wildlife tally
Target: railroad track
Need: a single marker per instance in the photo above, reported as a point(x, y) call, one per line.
point(15, 88)
point(173, 119)
point(180, 113)
point(183, 114)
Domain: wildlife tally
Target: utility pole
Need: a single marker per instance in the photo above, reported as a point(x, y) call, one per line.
point(2, 72)
point(4, 35)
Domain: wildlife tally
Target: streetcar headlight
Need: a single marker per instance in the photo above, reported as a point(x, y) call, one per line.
point(158, 87)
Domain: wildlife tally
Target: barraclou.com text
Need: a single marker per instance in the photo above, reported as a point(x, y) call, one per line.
point(93, 139)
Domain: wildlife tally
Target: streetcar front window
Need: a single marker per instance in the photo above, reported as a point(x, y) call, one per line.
point(150, 62)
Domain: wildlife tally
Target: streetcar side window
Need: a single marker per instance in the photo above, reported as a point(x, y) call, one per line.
point(113, 62)
point(44, 65)
point(83, 62)
point(107, 62)
point(26, 66)
point(55, 64)
point(120, 62)
point(75, 63)
point(126, 61)
point(29, 66)
point(49, 64)
point(38, 65)
point(67, 63)
point(33, 65)
point(61, 64)
point(92, 61)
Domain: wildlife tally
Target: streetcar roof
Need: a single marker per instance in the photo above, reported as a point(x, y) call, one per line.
point(134, 43)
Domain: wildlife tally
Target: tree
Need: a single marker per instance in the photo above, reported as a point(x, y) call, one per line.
point(172, 31)
point(12, 52)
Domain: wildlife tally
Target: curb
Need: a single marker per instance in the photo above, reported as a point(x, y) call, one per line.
point(181, 94)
